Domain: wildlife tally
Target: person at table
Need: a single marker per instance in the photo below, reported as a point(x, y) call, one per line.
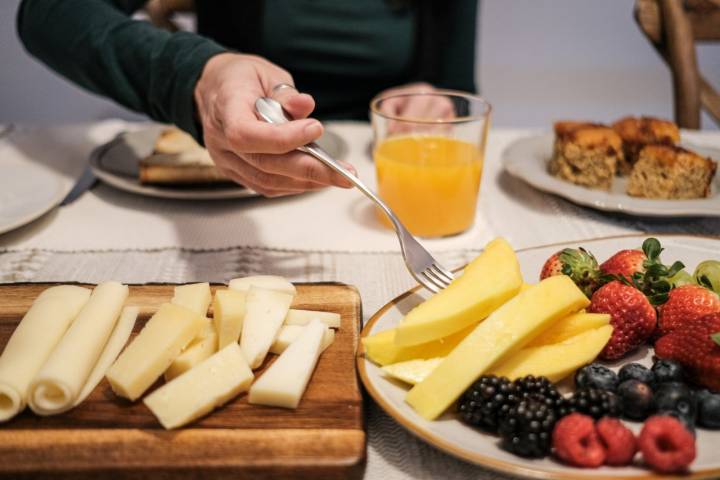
point(342, 52)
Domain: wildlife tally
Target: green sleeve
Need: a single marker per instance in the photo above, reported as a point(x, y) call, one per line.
point(457, 63)
point(95, 44)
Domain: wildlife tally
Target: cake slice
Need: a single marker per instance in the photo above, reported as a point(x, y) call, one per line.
point(670, 172)
point(636, 132)
point(586, 154)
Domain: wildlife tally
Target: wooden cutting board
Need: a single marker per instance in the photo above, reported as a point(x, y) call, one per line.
point(109, 437)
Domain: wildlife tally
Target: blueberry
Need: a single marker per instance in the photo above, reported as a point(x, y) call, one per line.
point(708, 414)
point(638, 372)
point(596, 376)
point(636, 398)
point(675, 397)
point(668, 371)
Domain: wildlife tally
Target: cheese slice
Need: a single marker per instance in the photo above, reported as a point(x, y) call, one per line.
point(211, 383)
point(303, 317)
point(283, 384)
point(265, 312)
point(150, 353)
point(504, 332)
point(204, 345)
point(61, 379)
point(194, 296)
point(268, 282)
point(290, 333)
point(33, 341)
point(228, 315)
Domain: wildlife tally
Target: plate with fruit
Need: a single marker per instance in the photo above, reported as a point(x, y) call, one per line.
point(597, 358)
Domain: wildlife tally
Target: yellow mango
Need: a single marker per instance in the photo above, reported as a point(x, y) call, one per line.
point(487, 282)
point(412, 371)
point(381, 347)
point(504, 332)
point(569, 327)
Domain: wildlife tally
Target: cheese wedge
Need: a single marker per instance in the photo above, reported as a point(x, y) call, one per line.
point(265, 313)
point(290, 333)
point(268, 282)
point(194, 296)
point(487, 282)
point(228, 314)
point(303, 317)
point(569, 327)
point(151, 353)
point(283, 384)
point(32, 342)
point(506, 331)
point(200, 348)
point(213, 382)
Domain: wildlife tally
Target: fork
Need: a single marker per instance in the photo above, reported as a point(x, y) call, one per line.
point(422, 266)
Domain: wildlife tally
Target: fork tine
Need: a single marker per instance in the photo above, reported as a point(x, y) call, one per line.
point(440, 284)
point(432, 273)
point(426, 283)
point(442, 273)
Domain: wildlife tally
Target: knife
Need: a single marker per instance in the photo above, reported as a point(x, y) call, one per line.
point(86, 181)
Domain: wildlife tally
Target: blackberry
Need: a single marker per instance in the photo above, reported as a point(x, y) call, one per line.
point(486, 401)
point(527, 429)
point(543, 390)
point(595, 402)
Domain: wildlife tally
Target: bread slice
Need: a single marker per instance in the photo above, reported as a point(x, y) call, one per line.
point(178, 159)
point(586, 154)
point(636, 132)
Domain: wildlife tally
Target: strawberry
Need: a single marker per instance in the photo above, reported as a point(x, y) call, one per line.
point(684, 304)
point(632, 317)
point(578, 264)
point(624, 263)
point(696, 345)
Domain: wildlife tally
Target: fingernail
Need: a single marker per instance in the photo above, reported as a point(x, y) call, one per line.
point(313, 128)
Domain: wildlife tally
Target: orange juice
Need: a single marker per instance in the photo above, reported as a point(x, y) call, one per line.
point(431, 182)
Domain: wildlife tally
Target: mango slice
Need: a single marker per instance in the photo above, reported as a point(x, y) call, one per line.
point(487, 282)
point(504, 332)
point(569, 327)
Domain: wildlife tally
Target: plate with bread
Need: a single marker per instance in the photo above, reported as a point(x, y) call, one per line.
point(637, 166)
point(163, 161)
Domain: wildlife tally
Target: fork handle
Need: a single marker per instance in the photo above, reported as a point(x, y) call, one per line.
point(317, 151)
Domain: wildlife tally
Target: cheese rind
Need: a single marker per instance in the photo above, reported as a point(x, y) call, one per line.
point(60, 380)
point(32, 342)
point(265, 312)
point(290, 333)
point(229, 308)
point(268, 282)
point(153, 350)
point(211, 383)
point(284, 383)
point(200, 348)
point(297, 316)
point(506, 331)
point(193, 296)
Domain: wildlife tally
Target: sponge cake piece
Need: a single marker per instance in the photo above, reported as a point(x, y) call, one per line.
point(636, 132)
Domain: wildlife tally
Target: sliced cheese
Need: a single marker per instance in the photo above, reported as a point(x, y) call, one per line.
point(228, 315)
point(33, 341)
point(211, 383)
point(66, 371)
point(268, 282)
point(204, 345)
point(265, 312)
point(290, 333)
point(504, 332)
point(283, 384)
point(194, 296)
point(303, 317)
point(150, 353)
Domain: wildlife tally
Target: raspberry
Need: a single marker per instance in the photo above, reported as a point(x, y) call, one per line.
point(619, 441)
point(666, 445)
point(576, 441)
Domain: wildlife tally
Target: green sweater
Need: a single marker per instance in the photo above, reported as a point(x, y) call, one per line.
point(342, 52)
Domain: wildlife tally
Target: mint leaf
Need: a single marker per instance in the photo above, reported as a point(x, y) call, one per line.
point(716, 337)
point(651, 247)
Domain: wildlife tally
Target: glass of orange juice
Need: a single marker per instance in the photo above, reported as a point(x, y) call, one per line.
point(429, 158)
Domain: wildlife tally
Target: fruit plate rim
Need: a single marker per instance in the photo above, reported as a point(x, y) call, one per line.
point(496, 464)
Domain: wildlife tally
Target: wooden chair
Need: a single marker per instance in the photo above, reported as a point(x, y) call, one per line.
point(673, 27)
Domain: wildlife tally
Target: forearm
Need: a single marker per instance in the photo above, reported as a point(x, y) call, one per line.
point(97, 45)
point(457, 66)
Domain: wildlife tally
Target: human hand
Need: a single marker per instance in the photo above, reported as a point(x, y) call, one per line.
point(418, 104)
point(256, 154)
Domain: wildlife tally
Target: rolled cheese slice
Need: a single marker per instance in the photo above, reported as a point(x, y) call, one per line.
point(204, 345)
point(268, 282)
point(194, 296)
point(61, 379)
point(303, 317)
point(228, 315)
point(33, 340)
point(196, 392)
point(290, 333)
point(151, 353)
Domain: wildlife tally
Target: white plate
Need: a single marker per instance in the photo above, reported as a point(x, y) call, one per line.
point(26, 193)
point(116, 163)
point(456, 438)
point(527, 160)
